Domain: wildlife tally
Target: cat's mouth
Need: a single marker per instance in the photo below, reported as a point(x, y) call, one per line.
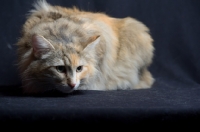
point(66, 88)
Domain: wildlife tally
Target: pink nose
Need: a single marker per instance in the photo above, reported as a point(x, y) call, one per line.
point(72, 85)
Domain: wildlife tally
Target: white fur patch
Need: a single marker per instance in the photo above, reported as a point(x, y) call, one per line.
point(41, 5)
point(77, 84)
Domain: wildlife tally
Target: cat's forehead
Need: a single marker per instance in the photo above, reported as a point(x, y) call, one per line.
point(72, 59)
point(68, 54)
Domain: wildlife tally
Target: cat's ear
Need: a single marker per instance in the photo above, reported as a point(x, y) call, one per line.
point(41, 46)
point(93, 41)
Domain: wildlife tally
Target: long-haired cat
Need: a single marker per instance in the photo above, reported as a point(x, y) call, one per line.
point(68, 49)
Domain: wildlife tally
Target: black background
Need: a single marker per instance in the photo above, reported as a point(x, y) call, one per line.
point(174, 98)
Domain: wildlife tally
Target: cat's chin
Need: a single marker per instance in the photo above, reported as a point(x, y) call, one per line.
point(65, 89)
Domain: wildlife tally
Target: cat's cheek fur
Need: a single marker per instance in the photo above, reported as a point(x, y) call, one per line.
point(83, 74)
point(88, 71)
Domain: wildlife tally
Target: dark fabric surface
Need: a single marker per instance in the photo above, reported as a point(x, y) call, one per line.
point(174, 99)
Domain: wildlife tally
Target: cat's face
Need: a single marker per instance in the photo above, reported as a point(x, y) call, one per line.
point(61, 67)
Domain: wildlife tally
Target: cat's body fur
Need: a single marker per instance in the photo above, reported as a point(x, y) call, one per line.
point(112, 53)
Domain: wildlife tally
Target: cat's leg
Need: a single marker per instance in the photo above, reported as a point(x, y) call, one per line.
point(145, 79)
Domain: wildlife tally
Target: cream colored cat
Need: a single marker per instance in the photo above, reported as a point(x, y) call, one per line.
point(68, 49)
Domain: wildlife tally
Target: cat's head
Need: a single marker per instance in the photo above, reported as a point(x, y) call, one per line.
point(64, 67)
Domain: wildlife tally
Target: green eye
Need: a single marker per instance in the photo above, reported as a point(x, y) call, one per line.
point(61, 69)
point(79, 68)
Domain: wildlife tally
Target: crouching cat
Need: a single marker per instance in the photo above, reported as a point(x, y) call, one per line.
point(68, 49)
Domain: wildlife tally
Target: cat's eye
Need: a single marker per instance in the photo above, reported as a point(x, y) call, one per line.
point(79, 68)
point(61, 69)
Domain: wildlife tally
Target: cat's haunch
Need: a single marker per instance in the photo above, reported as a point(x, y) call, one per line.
point(67, 49)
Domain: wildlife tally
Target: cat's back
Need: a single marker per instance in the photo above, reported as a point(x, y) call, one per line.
point(44, 12)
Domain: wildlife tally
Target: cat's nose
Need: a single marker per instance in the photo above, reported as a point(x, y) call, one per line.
point(72, 85)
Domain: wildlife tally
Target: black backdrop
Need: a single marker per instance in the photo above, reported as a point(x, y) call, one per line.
point(175, 28)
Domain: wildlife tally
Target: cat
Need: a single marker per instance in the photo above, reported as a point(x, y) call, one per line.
point(67, 49)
